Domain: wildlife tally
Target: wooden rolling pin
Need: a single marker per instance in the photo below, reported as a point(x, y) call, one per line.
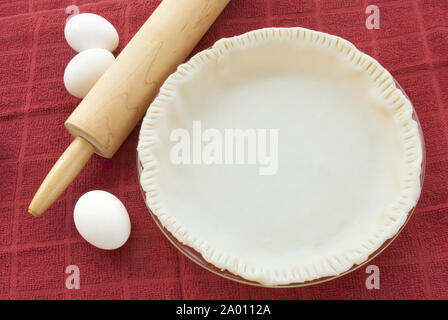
point(120, 98)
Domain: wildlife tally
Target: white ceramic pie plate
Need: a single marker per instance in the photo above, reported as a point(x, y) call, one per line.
point(350, 158)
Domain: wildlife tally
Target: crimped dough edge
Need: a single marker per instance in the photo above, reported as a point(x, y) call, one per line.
point(339, 262)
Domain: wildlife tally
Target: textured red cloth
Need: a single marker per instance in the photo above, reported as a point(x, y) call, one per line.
point(411, 43)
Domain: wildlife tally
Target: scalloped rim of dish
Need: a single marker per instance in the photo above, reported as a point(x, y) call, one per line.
point(333, 265)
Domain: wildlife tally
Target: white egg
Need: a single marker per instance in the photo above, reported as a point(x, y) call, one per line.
point(84, 70)
point(87, 30)
point(102, 220)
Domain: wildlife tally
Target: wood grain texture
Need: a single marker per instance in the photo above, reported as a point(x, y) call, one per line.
point(122, 95)
point(61, 175)
point(119, 99)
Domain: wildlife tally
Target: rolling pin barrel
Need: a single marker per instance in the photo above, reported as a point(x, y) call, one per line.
point(120, 98)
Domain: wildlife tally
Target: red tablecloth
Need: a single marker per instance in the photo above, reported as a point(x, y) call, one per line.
point(411, 43)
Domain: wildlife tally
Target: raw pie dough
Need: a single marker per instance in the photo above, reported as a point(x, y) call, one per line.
point(349, 156)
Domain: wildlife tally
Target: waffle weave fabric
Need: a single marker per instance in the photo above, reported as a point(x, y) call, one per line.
point(412, 43)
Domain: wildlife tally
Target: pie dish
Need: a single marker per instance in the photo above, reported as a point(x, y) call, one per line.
point(349, 156)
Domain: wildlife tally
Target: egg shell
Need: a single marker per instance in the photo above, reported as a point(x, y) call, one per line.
point(84, 70)
point(87, 30)
point(102, 220)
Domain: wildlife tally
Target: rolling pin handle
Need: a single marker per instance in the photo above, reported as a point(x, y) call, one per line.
point(120, 98)
point(61, 175)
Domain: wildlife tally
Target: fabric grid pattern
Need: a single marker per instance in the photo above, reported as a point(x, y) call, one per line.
point(412, 43)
